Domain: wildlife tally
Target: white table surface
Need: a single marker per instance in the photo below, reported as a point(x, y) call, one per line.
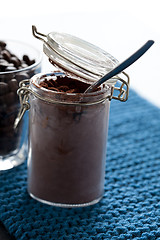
point(119, 27)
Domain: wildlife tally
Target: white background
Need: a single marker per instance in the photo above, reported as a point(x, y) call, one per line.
point(118, 26)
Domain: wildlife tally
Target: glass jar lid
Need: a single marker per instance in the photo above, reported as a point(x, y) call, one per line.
point(76, 56)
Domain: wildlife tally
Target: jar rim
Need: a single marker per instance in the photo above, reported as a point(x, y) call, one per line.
point(63, 97)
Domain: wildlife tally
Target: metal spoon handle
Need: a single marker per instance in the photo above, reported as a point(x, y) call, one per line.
point(134, 57)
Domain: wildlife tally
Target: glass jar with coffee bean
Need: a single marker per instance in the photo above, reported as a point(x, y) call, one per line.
point(18, 61)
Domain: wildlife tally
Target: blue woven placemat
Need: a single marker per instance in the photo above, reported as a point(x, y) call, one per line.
point(130, 208)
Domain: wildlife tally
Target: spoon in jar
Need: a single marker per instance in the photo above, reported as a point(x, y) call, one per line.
point(118, 69)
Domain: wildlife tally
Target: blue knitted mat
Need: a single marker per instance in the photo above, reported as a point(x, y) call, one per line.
point(130, 208)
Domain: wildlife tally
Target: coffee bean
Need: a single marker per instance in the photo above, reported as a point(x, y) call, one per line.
point(4, 88)
point(9, 100)
point(26, 59)
point(10, 68)
point(2, 61)
point(3, 65)
point(10, 57)
point(6, 55)
point(13, 85)
point(32, 62)
point(24, 65)
point(15, 61)
point(2, 44)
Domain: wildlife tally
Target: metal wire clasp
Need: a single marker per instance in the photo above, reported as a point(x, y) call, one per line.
point(23, 97)
point(38, 35)
point(122, 90)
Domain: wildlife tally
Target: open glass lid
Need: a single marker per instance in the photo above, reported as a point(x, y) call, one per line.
point(76, 56)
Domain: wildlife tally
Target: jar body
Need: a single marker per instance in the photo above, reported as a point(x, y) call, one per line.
point(14, 141)
point(67, 151)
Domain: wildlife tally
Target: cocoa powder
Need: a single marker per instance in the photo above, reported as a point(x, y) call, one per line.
point(65, 84)
point(67, 142)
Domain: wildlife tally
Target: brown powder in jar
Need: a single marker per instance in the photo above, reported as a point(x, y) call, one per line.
point(65, 84)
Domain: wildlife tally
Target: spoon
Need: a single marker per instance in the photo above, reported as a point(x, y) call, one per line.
point(134, 57)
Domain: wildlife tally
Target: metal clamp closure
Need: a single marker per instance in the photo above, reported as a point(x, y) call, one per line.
point(23, 97)
point(123, 89)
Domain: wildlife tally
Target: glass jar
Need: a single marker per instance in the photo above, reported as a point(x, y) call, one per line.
point(13, 141)
point(67, 145)
point(68, 131)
